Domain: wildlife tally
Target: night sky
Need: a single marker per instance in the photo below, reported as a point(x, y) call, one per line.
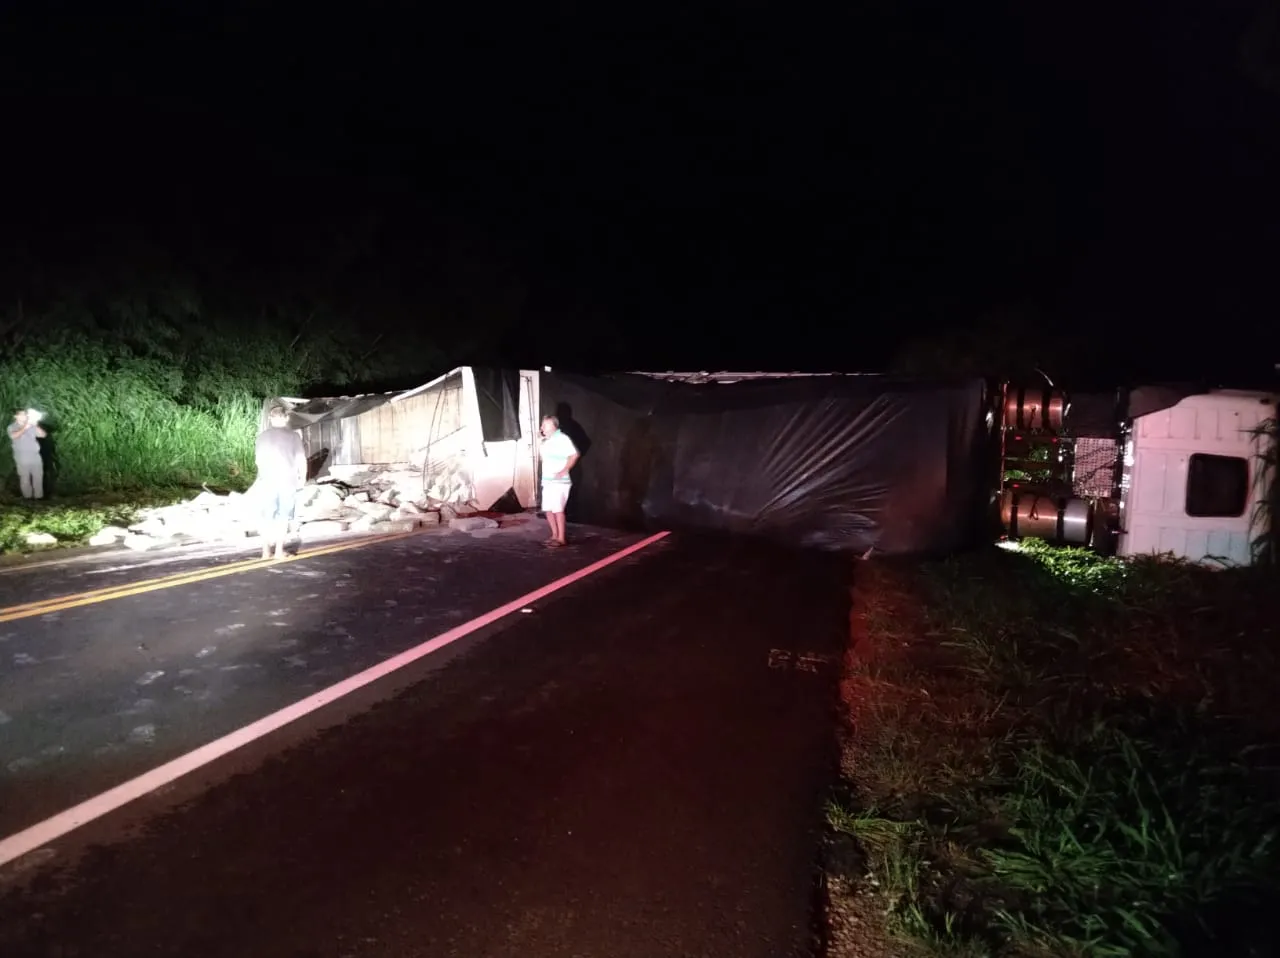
point(742, 184)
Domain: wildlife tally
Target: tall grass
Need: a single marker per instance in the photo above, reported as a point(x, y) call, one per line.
point(1125, 847)
point(114, 426)
point(1081, 759)
point(1263, 522)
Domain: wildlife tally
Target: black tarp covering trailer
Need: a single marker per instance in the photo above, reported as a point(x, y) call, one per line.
point(828, 462)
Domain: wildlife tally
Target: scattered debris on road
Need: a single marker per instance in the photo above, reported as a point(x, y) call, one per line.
point(376, 501)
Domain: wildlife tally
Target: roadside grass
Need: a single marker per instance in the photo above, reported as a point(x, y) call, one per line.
point(1054, 754)
point(161, 446)
point(117, 442)
point(75, 519)
point(112, 429)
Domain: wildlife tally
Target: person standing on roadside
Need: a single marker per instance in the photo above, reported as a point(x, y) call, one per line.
point(282, 471)
point(25, 434)
point(559, 455)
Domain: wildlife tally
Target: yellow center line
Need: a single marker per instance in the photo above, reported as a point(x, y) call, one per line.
point(75, 600)
point(176, 578)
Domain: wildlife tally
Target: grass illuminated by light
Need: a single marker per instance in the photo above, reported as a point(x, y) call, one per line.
point(1059, 754)
point(117, 429)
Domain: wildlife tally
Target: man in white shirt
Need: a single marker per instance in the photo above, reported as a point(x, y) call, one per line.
point(25, 434)
point(559, 455)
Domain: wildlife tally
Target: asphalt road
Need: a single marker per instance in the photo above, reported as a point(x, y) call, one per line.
point(634, 767)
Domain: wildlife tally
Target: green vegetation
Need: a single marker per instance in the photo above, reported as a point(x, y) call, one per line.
point(73, 520)
point(115, 428)
point(1041, 473)
point(147, 398)
point(145, 383)
point(153, 391)
point(1263, 521)
point(1056, 754)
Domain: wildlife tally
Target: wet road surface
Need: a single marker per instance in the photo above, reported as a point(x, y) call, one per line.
point(95, 694)
point(635, 767)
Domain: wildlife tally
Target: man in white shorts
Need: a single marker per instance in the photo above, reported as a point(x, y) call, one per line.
point(558, 456)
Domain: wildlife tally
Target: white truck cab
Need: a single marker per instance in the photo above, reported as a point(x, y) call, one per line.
point(1195, 478)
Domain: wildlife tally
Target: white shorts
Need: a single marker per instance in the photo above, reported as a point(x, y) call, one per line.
point(555, 496)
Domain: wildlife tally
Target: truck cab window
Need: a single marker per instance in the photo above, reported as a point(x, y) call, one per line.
point(1217, 486)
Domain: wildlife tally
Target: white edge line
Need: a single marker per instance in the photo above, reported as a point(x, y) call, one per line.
point(40, 834)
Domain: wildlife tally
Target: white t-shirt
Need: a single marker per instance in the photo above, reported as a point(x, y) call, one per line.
point(556, 450)
point(26, 446)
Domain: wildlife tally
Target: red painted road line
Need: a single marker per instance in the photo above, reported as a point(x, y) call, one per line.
point(51, 829)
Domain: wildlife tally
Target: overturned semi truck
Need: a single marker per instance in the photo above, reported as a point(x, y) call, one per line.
point(1171, 471)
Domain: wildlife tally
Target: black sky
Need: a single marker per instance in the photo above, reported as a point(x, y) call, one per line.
point(751, 183)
